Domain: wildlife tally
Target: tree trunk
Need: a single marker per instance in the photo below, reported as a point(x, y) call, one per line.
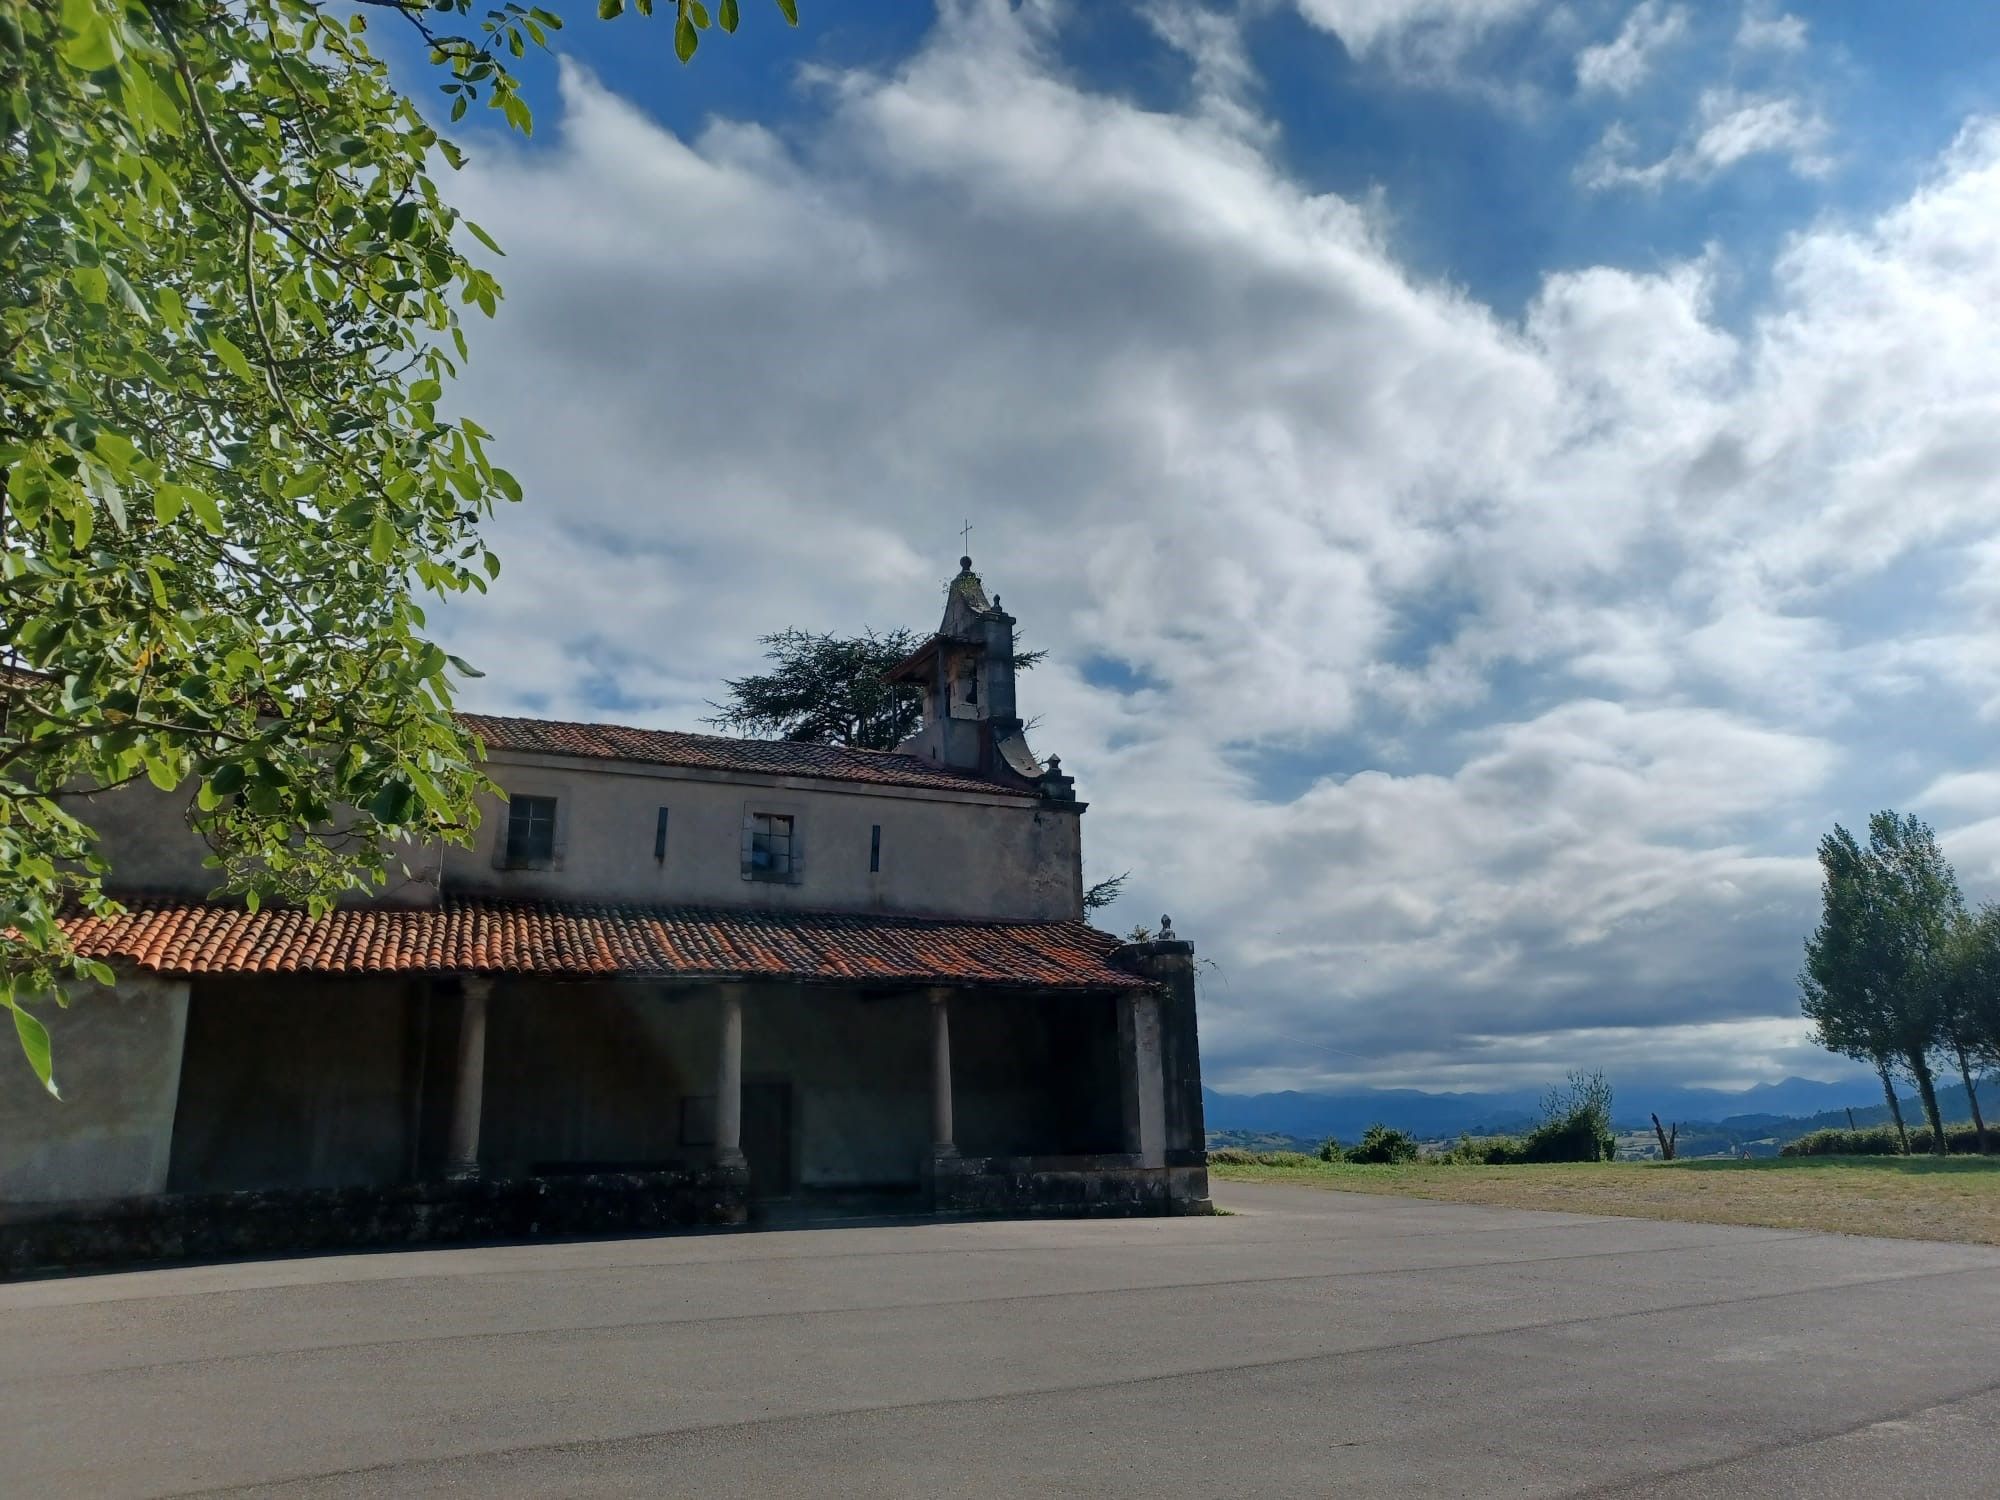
point(1895, 1105)
point(1920, 1069)
point(1971, 1097)
point(1667, 1142)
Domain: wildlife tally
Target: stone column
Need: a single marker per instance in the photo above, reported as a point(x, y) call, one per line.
point(469, 1093)
point(729, 1081)
point(942, 1143)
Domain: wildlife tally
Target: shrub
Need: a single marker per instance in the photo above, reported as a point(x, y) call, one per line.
point(1379, 1145)
point(1881, 1140)
point(1484, 1151)
point(1576, 1124)
point(1329, 1150)
point(1232, 1156)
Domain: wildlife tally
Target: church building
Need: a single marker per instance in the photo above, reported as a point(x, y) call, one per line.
point(677, 979)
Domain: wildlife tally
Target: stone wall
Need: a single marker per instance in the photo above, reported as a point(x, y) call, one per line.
point(1105, 1186)
point(70, 1237)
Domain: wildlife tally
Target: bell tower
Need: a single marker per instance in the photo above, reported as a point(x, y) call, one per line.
point(966, 671)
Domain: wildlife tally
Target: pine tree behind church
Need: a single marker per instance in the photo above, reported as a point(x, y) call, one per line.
point(825, 689)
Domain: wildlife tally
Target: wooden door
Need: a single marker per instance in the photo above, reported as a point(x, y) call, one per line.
point(767, 1136)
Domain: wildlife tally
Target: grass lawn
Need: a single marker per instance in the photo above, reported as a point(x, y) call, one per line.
point(1915, 1198)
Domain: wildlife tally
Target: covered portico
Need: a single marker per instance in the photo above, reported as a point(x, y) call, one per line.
point(485, 1069)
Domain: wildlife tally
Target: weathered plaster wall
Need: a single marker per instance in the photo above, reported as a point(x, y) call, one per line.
point(118, 1063)
point(859, 1070)
point(601, 1074)
point(296, 1082)
point(593, 1073)
point(942, 853)
point(945, 854)
point(153, 849)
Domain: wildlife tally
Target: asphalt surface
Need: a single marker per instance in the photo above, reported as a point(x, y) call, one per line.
point(1308, 1343)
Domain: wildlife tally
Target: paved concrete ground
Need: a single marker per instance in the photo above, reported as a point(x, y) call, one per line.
point(1308, 1344)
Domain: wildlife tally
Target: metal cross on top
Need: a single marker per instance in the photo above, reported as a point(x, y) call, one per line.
point(965, 536)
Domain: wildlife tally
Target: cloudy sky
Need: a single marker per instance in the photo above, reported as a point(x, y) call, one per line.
point(1496, 478)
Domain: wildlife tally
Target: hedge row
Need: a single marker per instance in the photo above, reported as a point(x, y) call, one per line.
point(1882, 1140)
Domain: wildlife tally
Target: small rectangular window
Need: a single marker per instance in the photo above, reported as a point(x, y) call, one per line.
point(770, 846)
point(875, 850)
point(660, 838)
point(531, 831)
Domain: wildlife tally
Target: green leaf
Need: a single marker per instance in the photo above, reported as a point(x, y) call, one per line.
point(381, 539)
point(205, 510)
point(610, 10)
point(391, 805)
point(90, 45)
point(698, 11)
point(484, 238)
point(686, 39)
point(507, 484)
point(727, 15)
point(91, 284)
point(35, 1046)
point(122, 289)
point(791, 11)
point(426, 391)
point(231, 357)
point(402, 220)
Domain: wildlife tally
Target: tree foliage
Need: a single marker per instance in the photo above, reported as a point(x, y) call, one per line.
point(1103, 893)
point(1892, 973)
point(227, 476)
point(826, 689)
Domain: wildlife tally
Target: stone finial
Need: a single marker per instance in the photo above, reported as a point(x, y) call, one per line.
point(965, 565)
point(1166, 929)
point(1055, 765)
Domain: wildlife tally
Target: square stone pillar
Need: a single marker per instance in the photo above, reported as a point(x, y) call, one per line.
point(1169, 964)
point(1142, 1080)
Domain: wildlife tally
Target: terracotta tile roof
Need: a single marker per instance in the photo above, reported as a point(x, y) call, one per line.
point(582, 941)
point(715, 752)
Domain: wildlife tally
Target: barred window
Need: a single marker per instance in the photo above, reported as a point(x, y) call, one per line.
point(531, 830)
point(770, 846)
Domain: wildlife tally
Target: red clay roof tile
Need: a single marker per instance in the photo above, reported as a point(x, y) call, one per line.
point(714, 752)
point(582, 941)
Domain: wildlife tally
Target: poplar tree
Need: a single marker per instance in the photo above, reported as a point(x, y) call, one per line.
point(1878, 967)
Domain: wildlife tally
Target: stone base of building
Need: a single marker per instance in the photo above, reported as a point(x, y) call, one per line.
point(58, 1237)
point(1107, 1186)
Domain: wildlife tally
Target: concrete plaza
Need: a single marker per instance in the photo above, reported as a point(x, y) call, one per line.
point(1307, 1343)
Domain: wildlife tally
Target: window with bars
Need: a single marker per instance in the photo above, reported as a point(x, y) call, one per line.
point(531, 832)
point(770, 852)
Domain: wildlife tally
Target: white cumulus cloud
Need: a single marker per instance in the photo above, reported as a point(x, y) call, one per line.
point(1620, 65)
point(1478, 683)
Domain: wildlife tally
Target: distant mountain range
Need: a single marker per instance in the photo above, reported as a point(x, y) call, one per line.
point(1312, 1117)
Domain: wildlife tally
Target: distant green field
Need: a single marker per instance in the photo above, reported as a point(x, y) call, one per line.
point(1906, 1197)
